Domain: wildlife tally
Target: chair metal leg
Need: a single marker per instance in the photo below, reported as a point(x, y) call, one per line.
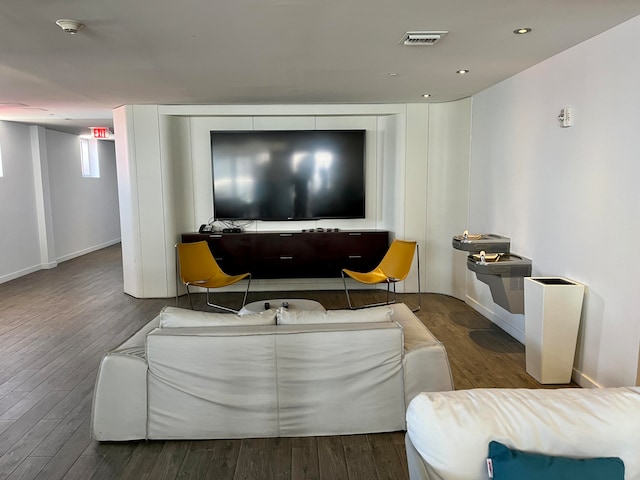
point(388, 293)
point(419, 291)
point(189, 296)
point(351, 307)
point(227, 309)
point(177, 273)
point(246, 292)
point(220, 307)
point(347, 291)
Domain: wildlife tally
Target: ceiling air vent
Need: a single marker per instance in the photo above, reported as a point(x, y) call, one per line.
point(422, 38)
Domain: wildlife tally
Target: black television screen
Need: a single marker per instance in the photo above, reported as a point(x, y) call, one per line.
point(288, 175)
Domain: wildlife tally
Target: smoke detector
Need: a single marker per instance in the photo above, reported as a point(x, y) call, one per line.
point(69, 26)
point(423, 37)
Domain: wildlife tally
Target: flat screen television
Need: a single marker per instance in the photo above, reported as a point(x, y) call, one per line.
point(288, 175)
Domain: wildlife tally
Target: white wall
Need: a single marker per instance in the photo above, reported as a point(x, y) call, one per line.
point(84, 210)
point(49, 213)
point(171, 145)
point(19, 242)
point(568, 197)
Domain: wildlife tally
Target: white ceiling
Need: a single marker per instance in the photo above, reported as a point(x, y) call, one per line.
point(271, 51)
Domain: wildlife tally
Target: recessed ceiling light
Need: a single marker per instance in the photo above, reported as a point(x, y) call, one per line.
point(522, 31)
point(462, 72)
point(392, 74)
point(426, 95)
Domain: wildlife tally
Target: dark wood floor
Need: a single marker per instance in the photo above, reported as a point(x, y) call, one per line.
point(56, 324)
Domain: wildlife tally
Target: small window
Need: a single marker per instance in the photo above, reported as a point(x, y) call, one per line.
point(89, 158)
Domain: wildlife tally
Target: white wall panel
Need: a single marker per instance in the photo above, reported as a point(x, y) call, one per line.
point(284, 123)
point(415, 188)
point(128, 200)
point(142, 201)
point(201, 160)
point(151, 201)
point(391, 165)
point(447, 195)
point(39, 156)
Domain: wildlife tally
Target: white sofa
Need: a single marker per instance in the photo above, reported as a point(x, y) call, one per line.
point(198, 375)
point(448, 433)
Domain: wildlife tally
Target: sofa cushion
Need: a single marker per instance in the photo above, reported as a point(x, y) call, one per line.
point(365, 315)
point(508, 464)
point(173, 317)
point(451, 430)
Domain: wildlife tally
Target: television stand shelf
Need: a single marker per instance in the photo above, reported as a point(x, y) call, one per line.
point(295, 254)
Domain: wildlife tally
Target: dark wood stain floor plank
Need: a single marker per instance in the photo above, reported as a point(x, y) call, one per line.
point(67, 455)
point(388, 463)
point(20, 427)
point(359, 457)
point(304, 459)
point(169, 460)
point(224, 459)
point(114, 459)
point(65, 429)
point(278, 453)
point(332, 463)
point(29, 469)
point(195, 465)
point(251, 459)
point(24, 447)
point(142, 461)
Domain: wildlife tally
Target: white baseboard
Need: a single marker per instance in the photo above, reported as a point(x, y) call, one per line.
point(577, 376)
point(503, 323)
point(20, 273)
point(84, 251)
point(46, 266)
point(583, 380)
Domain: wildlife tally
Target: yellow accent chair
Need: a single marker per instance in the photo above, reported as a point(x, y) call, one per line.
point(196, 266)
point(393, 268)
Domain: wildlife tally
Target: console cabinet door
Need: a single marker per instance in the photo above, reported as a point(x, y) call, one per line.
point(359, 251)
point(232, 251)
point(285, 255)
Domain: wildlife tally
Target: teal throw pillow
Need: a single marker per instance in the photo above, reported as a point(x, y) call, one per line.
point(511, 464)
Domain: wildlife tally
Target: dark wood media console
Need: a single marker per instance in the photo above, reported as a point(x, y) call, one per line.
point(295, 254)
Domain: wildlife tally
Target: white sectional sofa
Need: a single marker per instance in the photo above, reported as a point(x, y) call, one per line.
point(448, 433)
point(198, 375)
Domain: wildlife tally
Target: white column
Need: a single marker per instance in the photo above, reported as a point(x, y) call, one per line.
point(142, 202)
point(43, 197)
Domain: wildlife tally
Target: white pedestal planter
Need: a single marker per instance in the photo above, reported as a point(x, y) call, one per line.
point(552, 309)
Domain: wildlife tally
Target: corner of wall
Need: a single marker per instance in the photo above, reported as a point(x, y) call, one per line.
point(638, 371)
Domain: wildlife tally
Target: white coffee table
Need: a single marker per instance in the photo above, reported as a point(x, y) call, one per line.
point(290, 303)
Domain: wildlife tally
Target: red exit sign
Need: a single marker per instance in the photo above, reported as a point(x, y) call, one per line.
point(100, 132)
